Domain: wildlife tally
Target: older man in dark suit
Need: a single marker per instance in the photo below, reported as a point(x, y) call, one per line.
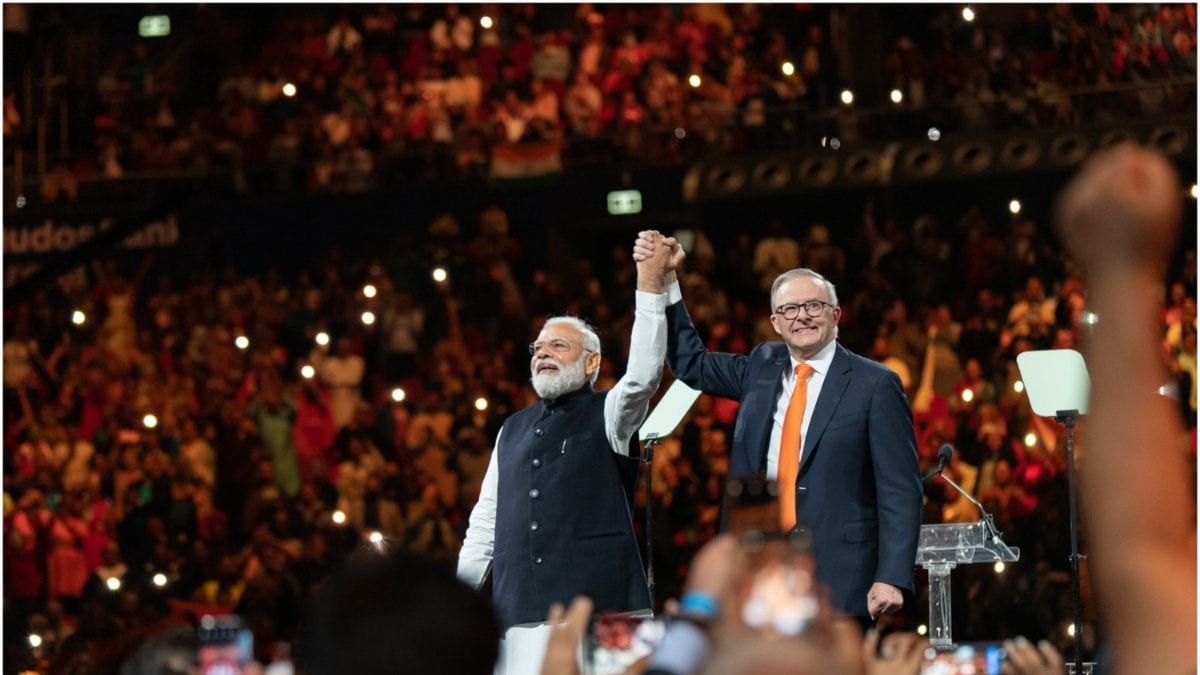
point(833, 428)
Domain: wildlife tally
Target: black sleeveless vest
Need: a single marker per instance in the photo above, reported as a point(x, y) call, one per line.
point(563, 526)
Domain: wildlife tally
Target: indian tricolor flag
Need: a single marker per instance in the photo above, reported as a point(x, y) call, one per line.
point(526, 160)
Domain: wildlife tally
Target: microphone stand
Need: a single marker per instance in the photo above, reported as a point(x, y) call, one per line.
point(1067, 419)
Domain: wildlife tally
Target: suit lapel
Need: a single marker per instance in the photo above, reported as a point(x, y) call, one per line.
point(770, 379)
point(832, 390)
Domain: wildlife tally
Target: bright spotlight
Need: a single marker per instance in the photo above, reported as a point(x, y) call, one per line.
point(241, 341)
point(35, 640)
point(1071, 630)
point(289, 90)
point(439, 274)
point(78, 317)
point(788, 68)
point(1014, 207)
point(113, 583)
point(307, 372)
point(368, 318)
point(968, 395)
point(922, 629)
point(1018, 386)
point(968, 14)
point(481, 404)
point(1089, 318)
point(398, 394)
point(999, 567)
point(934, 133)
point(322, 338)
point(160, 579)
point(150, 421)
point(339, 517)
point(1030, 439)
point(847, 96)
point(485, 22)
point(369, 290)
point(1194, 191)
point(897, 96)
point(694, 81)
point(376, 537)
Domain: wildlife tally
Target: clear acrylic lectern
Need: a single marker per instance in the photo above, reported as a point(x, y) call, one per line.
point(940, 549)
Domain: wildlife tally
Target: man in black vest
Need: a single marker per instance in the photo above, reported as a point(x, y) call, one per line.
point(553, 517)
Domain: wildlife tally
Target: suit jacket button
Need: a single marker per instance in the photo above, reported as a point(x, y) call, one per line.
point(536, 462)
point(537, 560)
point(539, 433)
point(534, 493)
point(534, 526)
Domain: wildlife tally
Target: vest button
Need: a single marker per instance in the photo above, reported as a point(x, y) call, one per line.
point(534, 494)
point(537, 560)
point(536, 462)
point(539, 433)
point(534, 526)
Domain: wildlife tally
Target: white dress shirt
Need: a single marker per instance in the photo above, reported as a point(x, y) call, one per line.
point(820, 365)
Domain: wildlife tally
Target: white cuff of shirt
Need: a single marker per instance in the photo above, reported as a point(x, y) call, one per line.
point(652, 302)
point(673, 293)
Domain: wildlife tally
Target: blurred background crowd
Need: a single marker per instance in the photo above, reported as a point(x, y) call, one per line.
point(209, 438)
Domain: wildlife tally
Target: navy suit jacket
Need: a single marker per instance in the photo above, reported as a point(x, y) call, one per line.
point(859, 488)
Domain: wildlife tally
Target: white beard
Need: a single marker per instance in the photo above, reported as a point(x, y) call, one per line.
point(553, 384)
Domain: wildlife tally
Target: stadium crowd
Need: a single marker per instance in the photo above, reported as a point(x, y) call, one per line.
point(326, 100)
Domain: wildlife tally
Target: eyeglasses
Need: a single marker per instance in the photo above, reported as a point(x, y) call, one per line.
point(560, 346)
point(812, 308)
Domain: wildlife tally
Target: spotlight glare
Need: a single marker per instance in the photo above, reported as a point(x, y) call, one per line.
point(439, 274)
point(78, 317)
point(1089, 318)
point(694, 81)
point(922, 629)
point(322, 338)
point(368, 318)
point(289, 90)
point(241, 341)
point(847, 96)
point(1014, 207)
point(398, 394)
point(481, 404)
point(307, 372)
point(1070, 630)
point(1194, 191)
point(339, 517)
point(35, 640)
point(113, 583)
point(999, 567)
point(150, 421)
point(376, 537)
point(485, 22)
point(160, 580)
point(968, 395)
point(369, 290)
point(1030, 439)
point(968, 14)
point(788, 68)
point(897, 96)
point(1018, 386)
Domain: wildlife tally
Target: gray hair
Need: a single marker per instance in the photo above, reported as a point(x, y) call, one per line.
point(803, 272)
point(591, 341)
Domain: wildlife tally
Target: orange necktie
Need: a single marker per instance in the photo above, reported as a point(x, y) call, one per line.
point(789, 448)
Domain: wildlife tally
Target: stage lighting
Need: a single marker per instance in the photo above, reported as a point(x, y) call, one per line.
point(922, 629)
point(1194, 191)
point(113, 583)
point(35, 640)
point(1018, 386)
point(694, 81)
point(897, 96)
point(847, 96)
point(968, 395)
point(242, 342)
point(481, 404)
point(376, 537)
point(307, 372)
point(78, 317)
point(1030, 439)
point(1014, 207)
point(368, 318)
point(1089, 318)
point(485, 22)
point(398, 395)
point(160, 579)
point(680, 133)
point(999, 567)
point(289, 90)
point(338, 517)
point(20, 201)
point(439, 274)
point(322, 338)
point(788, 68)
point(150, 421)
point(370, 291)
point(934, 134)
point(968, 14)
